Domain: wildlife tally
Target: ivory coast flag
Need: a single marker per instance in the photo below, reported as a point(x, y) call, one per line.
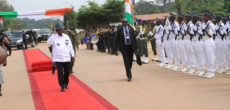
point(1, 21)
point(128, 12)
point(51, 12)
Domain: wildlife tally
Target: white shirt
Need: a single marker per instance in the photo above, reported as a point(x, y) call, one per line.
point(181, 29)
point(174, 30)
point(198, 29)
point(165, 33)
point(210, 27)
point(189, 28)
point(159, 32)
point(61, 48)
point(220, 26)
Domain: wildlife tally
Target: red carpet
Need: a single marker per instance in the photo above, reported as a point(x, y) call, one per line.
point(46, 91)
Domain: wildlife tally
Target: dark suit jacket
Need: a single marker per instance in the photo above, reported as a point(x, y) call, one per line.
point(121, 39)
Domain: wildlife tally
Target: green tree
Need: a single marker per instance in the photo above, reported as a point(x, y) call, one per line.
point(94, 14)
point(146, 7)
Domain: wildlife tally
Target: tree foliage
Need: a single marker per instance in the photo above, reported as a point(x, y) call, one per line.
point(214, 6)
point(146, 7)
point(94, 14)
point(182, 6)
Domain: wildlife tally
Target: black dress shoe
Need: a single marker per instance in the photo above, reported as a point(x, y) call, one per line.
point(0, 94)
point(129, 79)
point(66, 86)
point(71, 71)
point(62, 88)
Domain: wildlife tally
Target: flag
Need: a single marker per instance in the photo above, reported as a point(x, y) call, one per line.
point(128, 12)
point(1, 21)
point(51, 12)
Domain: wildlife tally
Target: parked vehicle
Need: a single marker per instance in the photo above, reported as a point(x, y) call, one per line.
point(17, 40)
point(43, 34)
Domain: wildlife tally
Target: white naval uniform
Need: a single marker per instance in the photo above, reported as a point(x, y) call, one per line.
point(198, 47)
point(209, 47)
point(188, 45)
point(172, 42)
point(165, 41)
point(159, 44)
point(181, 47)
point(227, 42)
point(220, 46)
point(62, 48)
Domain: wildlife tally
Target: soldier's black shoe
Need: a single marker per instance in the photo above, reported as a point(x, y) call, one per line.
point(129, 79)
point(0, 94)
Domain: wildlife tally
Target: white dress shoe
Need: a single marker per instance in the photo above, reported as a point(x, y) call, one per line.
point(191, 71)
point(175, 68)
point(220, 70)
point(161, 64)
point(201, 73)
point(198, 71)
point(209, 75)
point(168, 66)
point(184, 69)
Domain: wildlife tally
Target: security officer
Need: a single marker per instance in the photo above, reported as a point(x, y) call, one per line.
point(24, 40)
point(73, 39)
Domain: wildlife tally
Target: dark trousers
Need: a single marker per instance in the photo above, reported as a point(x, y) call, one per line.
point(63, 79)
point(127, 54)
point(25, 44)
point(153, 43)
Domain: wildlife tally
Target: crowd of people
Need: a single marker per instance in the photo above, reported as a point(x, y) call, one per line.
point(190, 43)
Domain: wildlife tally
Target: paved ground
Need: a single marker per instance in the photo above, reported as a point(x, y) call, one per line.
point(152, 88)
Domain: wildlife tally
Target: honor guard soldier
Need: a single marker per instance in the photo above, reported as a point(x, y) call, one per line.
point(220, 44)
point(227, 42)
point(180, 41)
point(209, 44)
point(173, 52)
point(159, 44)
point(189, 29)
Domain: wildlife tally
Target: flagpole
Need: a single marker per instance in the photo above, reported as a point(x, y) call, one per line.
point(133, 10)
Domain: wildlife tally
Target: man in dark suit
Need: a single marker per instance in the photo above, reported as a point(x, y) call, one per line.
point(127, 46)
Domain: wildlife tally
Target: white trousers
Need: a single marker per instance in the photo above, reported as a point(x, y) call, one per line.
point(1, 76)
point(199, 54)
point(190, 53)
point(160, 49)
point(168, 50)
point(209, 53)
point(183, 56)
point(220, 52)
point(175, 50)
point(227, 52)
